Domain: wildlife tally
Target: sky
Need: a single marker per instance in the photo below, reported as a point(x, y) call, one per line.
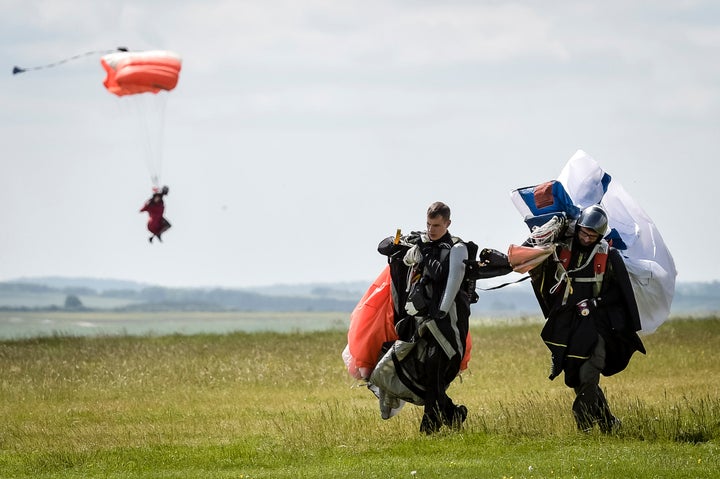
point(303, 132)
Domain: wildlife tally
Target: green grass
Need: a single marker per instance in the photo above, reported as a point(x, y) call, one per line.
point(270, 405)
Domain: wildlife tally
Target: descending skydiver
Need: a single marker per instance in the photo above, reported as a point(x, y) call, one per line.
point(433, 316)
point(155, 207)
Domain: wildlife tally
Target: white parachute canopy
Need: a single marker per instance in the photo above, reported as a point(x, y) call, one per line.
point(648, 260)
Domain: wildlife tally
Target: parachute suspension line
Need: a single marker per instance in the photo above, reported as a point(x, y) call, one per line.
point(149, 112)
point(17, 69)
point(154, 128)
point(504, 284)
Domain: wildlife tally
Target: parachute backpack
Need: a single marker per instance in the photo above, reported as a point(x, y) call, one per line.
point(540, 203)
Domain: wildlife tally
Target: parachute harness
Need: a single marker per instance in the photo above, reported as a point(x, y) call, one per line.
point(547, 234)
point(562, 275)
point(415, 259)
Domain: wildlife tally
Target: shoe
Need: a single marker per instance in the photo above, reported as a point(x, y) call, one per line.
point(150, 239)
point(457, 419)
point(429, 425)
point(610, 426)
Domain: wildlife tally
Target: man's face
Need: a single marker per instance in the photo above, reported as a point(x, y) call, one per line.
point(587, 236)
point(437, 227)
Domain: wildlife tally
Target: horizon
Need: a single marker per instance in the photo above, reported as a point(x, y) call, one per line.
point(364, 284)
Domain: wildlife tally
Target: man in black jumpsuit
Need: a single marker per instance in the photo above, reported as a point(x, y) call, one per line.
point(433, 305)
point(592, 318)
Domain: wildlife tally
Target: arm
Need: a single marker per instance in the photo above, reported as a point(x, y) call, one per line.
point(387, 247)
point(458, 255)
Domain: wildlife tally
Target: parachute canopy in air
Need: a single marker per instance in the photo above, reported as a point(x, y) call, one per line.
point(129, 73)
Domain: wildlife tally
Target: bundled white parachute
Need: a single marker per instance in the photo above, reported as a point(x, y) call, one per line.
point(648, 260)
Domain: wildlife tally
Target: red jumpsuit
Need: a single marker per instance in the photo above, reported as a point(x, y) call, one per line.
point(157, 225)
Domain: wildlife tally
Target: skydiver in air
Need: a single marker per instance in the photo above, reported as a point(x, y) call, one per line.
point(155, 206)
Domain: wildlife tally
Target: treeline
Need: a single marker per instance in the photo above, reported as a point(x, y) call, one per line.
point(517, 300)
point(697, 297)
point(162, 299)
point(29, 296)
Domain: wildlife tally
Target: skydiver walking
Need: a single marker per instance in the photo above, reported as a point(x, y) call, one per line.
point(437, 310)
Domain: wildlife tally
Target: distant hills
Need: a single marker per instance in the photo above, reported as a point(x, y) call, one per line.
point(58, 293)
point(109, 294)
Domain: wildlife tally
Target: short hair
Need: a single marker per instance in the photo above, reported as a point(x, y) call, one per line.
point(439, 209)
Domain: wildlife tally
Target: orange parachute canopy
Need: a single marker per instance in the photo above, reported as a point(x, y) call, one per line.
point(129, 73)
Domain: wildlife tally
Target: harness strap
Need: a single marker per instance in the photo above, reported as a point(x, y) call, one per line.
point(562, 274)
point(432, 326)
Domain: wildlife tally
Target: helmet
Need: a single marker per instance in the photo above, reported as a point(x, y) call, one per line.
point(594, 218)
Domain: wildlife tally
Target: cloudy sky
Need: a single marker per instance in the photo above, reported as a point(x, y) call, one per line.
point(302, 132)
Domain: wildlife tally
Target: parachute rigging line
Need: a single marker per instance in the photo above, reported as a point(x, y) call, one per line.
point(504, 284)
point(17, 69)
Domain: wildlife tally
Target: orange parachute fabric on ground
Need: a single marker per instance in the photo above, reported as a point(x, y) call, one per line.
point(372, 324)
point(466, 357)
point(130, 73)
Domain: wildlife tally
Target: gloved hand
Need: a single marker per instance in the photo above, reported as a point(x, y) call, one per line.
point(586, 306)
point(413, 237)
point(413, 256)
point(490, 264)
point(433, 268)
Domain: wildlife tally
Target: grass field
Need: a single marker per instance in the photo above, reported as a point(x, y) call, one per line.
point(272, 405)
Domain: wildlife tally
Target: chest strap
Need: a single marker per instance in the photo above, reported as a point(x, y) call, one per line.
point(598, 256)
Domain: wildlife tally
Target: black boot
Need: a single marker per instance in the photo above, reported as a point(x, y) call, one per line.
point(585, 408)
point(591, 407)
point(430, 424)
point(583, 418)
point(455, 418)
point(607, 422)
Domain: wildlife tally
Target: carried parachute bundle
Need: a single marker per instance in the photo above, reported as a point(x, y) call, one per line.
point(540, 203)
point(581, 183)
point(133, 75)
